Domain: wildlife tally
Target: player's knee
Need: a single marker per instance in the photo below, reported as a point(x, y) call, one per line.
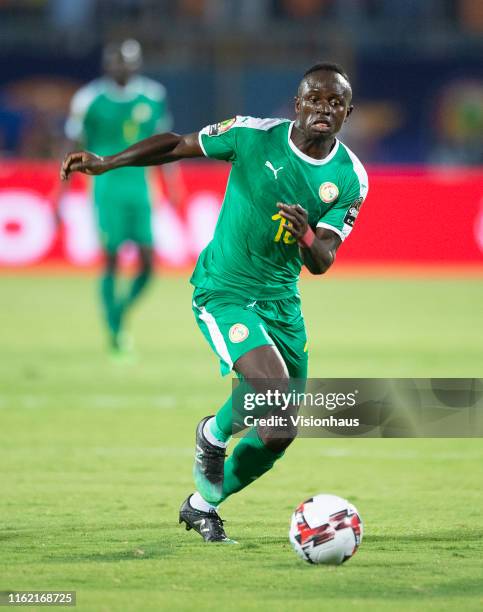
point(278, 439)
point(279, 430)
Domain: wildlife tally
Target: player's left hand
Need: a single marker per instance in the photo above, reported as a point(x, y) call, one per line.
point(298, 217)
point(82, 161)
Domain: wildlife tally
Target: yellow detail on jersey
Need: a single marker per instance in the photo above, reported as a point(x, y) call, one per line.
point(287, 236)
point(130, 130)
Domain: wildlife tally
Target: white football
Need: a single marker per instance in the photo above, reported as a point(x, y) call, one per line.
point(326, 529)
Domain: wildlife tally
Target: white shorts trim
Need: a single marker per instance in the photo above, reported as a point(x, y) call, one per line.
point(215, 335)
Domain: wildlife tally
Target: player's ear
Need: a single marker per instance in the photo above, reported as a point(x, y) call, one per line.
point(297, 104)
point(349, 112)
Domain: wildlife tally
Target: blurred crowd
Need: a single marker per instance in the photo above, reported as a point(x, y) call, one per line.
point(466, 14)
point(246, 56)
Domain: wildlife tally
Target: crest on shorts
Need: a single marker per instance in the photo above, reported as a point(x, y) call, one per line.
point(218, 128)
point(328, 192)
point(238, 333)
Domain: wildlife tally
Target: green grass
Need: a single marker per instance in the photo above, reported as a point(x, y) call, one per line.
point(95, 457)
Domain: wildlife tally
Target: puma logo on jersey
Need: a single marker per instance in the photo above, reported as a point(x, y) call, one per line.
point(270, 167)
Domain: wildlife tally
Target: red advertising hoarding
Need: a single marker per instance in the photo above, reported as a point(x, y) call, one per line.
point(411, 216)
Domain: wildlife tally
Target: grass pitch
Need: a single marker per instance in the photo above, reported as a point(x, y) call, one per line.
point(95, 456)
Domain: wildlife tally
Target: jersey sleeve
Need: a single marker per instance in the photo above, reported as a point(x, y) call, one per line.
point(79, 107)
point(341, 217)
point(164, 121)
point(218, 141)
point(156, 92)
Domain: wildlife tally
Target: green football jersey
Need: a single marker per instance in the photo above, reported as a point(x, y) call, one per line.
point(252, 252)
point(107, 118)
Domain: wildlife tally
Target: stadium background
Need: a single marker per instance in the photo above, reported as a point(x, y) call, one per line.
point(96, 456)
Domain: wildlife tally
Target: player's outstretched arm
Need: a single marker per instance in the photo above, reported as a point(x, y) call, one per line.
point(317, 249)
point(159, 149)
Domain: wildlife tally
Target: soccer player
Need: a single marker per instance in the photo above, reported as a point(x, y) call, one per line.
point(292, 198)
point(106, 115)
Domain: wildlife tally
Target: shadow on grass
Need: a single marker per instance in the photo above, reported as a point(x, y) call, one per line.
point(260, 542)
point(449, 536)
point(140, 552)
point(128, 543)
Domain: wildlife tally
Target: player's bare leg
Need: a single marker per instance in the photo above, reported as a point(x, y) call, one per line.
point(266, 363)
point(254, 454)
point(260, 364)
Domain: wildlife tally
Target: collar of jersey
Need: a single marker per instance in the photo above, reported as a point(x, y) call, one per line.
point(118, 93)
point(307, 158)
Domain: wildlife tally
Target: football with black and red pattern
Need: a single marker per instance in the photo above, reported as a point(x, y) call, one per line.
point(326, 529)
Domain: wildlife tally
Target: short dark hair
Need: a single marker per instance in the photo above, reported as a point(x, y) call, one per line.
point(330, 66)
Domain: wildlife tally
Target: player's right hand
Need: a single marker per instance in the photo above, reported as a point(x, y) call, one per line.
point(82, 161)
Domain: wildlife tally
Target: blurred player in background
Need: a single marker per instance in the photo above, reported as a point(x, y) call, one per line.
point(106, 115)
point(292, 198)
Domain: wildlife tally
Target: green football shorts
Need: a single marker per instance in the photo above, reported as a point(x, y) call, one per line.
point(233, 326)
point(120, 221)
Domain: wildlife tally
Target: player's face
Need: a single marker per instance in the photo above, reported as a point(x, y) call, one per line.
point(323, 104)
point(119, 69)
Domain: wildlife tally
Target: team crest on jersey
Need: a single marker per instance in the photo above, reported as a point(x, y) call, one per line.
point(351, 214)
point(218, 128)
point(238, 333)
point(328, 192)
point(141, 112)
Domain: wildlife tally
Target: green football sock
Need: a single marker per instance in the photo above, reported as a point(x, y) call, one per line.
point(250, 460)
point(221, 428)
point(137, 287)
point(217, 432)
point(108, 298)
point(229, 418)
